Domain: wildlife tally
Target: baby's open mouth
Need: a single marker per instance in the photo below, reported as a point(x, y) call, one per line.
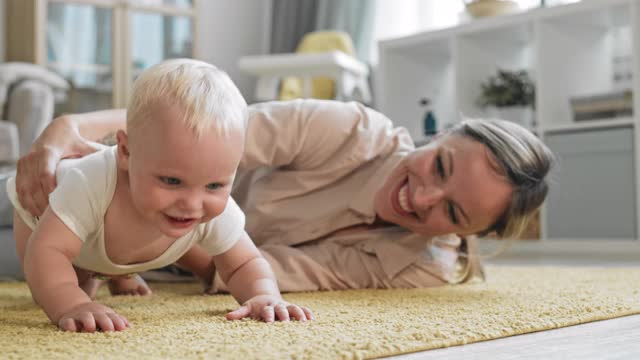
point(180, 221)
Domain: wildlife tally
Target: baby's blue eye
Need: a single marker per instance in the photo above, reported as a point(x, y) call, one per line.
point(214, 186)
point(170, 180)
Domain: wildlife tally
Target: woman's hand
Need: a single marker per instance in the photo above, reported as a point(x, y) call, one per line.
point(270, 308)
point(89, 317)
point(35, 178)
point(36, 173)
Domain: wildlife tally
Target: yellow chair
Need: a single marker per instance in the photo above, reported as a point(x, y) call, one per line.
point(317, 42)
point(324, 67)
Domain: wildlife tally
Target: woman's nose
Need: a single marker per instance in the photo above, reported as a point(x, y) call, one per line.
point(426, 197)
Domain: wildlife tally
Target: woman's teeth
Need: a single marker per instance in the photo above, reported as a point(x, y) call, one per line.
point(403, 199)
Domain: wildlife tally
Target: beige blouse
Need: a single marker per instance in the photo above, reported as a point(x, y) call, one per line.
point(311, 169)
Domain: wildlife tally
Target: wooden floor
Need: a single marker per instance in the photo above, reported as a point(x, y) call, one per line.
point(609, 339)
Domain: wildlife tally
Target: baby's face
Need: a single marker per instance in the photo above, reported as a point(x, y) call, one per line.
point(178, 180)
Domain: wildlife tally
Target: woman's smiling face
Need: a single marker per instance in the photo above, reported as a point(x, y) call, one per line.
point(451, 185)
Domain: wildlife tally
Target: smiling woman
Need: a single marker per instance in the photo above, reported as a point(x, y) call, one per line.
point(427, 195)
point(336, 197)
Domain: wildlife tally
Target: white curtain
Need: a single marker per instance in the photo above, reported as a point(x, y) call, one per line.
point(74, 37)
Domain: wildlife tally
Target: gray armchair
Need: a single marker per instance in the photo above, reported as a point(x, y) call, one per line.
point(28, 110)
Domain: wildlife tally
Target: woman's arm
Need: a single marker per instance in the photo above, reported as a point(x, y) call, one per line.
point(95, 126)
point(69, 133)
point(67, 136)
point(315, 134)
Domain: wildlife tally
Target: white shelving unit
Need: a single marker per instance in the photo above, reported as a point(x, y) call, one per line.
point(569, 51)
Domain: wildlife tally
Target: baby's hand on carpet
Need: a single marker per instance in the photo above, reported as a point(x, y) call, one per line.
point(90, 317)
point(270, 308)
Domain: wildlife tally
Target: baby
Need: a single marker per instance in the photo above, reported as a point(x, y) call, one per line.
point(160, 196)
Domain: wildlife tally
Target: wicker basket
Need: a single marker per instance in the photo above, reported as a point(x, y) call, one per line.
point(483, 8)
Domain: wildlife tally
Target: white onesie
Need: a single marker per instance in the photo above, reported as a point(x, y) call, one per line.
point(81, 199)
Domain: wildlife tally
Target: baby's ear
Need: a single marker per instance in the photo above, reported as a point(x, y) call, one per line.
point(123, 150)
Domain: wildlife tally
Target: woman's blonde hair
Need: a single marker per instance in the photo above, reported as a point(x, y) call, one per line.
point(524, 160)
point(205, 95)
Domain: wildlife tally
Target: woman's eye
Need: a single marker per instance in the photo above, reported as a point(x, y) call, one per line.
point(452, 214)
point(170, 180)
point(439, 166)
point(214, 186)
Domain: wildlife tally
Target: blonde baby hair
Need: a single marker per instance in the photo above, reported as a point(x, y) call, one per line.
point(205, 95)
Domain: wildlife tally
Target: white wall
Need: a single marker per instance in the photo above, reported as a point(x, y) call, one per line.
point(227, 30)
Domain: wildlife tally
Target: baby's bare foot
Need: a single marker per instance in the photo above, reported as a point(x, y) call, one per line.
point(134, 285)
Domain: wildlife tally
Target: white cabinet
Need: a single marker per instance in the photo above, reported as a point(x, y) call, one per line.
point(99, 45)
point(593, 193)
point(569, 51)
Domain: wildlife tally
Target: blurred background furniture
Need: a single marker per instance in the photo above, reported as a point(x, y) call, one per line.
point(99, 46)
point(482, 8)
point(323, 67)
point(28, 109)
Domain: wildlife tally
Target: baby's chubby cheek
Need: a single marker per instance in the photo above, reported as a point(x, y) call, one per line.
point(216, 208)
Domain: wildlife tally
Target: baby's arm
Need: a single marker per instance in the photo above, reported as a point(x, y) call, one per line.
point(54, 284)
point(251, 281)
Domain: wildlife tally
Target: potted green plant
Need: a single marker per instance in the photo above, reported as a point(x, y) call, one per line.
point(509, 95)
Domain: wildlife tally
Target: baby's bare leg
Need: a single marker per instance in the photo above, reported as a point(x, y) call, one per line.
point(21, 233)
point(134, 285)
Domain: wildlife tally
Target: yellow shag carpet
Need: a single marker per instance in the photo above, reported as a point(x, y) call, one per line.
point(177, 322)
